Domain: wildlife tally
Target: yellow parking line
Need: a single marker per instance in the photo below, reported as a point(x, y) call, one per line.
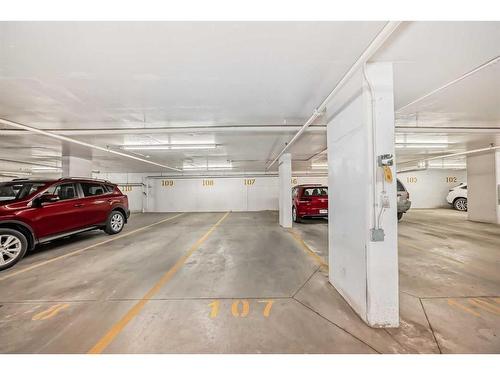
point(308, 250)
point(103, 343)
point(50, 312)
point(464, 308)
point(8, 276)
point(485, 306)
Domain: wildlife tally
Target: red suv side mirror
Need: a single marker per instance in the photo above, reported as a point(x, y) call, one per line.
point(45, 198)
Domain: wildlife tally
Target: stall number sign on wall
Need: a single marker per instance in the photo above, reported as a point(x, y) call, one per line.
point(126, 188)
point(249, 181)
point(167, 183)
point(451, 179)
point(411, 180)
point(208, 183)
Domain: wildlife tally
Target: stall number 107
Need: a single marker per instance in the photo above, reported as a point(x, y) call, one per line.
point(241, 308)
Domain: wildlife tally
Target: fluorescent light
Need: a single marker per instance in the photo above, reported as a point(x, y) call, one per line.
point(197, 168)
point(171, 147)
point(422, 145)
point(14, 173)
point(46, 169)
point(207, 168)
point(319, 166)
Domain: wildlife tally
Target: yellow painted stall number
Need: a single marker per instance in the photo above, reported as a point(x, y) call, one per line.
point(240, 308)
point(411, 180)
point(249, 181)
point(208, 183)
point(451, 179)
point(167, 183)
point(126, 188)
point(294, 181)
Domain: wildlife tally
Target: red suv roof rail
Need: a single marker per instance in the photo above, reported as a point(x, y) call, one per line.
point(85, 178)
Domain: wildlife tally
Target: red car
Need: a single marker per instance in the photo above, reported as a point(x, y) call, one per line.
point(309, 201)
point(37, 211)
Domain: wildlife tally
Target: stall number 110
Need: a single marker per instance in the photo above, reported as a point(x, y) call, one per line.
point(241, 308)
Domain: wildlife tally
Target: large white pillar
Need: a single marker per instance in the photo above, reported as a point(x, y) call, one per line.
point(364, 261)
point(483, 187)
point(76, 161)
point(285, 190)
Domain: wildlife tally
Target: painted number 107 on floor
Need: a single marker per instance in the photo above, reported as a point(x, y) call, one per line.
point(240, 308)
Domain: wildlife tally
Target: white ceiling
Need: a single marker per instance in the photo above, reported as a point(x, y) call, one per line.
point(124, 75)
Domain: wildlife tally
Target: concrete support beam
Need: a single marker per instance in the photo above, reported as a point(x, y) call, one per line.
point(363, 270)
point(483, 187)
point(76, 161)
point(285, 190)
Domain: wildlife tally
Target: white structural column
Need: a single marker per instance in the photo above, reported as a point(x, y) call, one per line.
point(76, 161)
point(483, 187)
point(364, 268)
point(285, 190)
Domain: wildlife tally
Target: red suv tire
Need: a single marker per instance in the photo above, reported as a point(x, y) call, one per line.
point(13, 246)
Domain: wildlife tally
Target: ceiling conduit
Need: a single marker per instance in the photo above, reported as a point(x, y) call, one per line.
point(374, 46)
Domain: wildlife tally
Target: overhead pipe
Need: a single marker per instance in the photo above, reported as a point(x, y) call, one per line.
point(270, 128)
point(374, 46)
point(475, 151)
point(462, 77)
point(84, 144)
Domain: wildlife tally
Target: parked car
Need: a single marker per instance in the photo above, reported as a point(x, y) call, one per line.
point(457, 197)
point(38, 211)
point(309, 201)
point(404, 202)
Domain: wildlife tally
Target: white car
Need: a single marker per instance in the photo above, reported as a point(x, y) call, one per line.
point(457, 197)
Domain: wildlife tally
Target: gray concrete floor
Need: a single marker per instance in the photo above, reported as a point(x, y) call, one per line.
point(246, 286)
point(449, 276)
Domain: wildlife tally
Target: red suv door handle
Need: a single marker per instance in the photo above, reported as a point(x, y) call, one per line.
point(78, 205)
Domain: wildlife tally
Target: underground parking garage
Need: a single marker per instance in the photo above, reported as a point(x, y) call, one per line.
point(200, 200)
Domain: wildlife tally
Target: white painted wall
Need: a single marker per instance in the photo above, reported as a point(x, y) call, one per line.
point(302, 180)
point(428, 188)
point(483, 187)
point(259, 196)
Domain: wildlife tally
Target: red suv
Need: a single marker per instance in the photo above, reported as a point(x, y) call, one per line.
point(37, 211)
point(309, 201)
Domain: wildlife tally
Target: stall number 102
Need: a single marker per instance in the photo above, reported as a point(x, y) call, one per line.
point(241, 308)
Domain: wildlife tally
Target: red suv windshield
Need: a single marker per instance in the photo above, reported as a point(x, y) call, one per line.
point(14, 191)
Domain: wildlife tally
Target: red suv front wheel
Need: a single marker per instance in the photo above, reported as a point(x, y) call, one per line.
point(13, 246)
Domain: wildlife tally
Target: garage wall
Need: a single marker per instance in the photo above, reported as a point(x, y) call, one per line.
point(428, 188)
point(202, 194)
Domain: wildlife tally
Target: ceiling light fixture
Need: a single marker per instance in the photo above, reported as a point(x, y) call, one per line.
point(194, 168)
point(14, 173)
point(46, 169)
point(319, 166)
point(170, 147)
point(422, 145)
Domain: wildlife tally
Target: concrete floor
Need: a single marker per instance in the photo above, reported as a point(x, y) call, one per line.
point(195, 284)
